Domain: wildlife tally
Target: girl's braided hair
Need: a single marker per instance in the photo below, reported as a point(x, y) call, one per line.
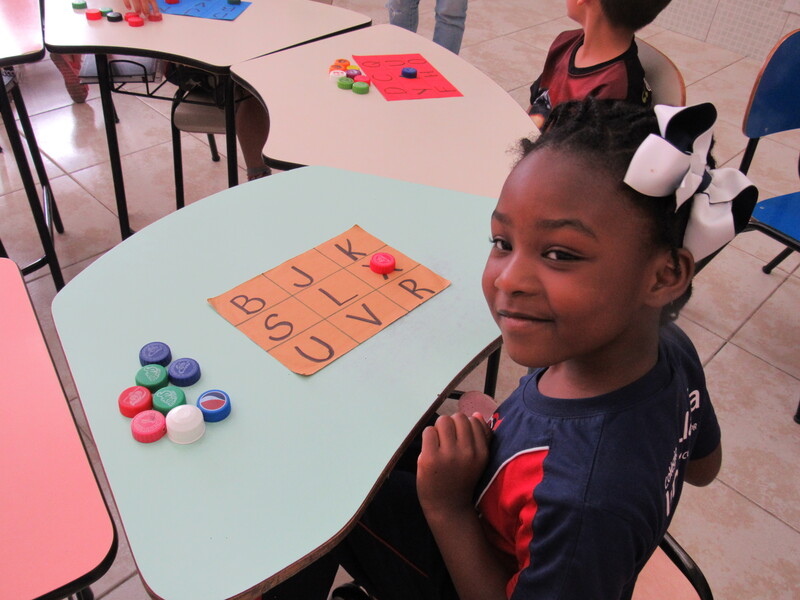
point(607, 133)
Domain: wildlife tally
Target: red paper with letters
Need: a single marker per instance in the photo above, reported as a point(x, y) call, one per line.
point(385, 69)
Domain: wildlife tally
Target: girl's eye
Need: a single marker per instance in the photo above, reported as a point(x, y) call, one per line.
point(499, 244)
point(560, 255)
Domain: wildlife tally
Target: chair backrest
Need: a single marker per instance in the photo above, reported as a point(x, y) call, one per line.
point(662, 75)
point(671, 573)
point(773, 105)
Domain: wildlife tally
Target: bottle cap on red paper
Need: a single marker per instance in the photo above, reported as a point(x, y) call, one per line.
point(148, 426)
point(408, 72)
point(382, 263)
point(153, 377)
point(215, 405)
point(155, 353)
point(184, 371)
point(93, 14)
point(185, 424)
point(134, 400)
point(114, 17)
point(136, 21)
point(167, 398)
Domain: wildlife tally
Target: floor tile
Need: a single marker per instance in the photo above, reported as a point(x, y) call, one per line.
point(510, 63)
point(694, 58)
point(10, 179)
point(773, 331)
point(743, 551)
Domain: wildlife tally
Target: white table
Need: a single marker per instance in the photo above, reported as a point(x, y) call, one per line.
point(211, 44)
point(268, 489)
point(458, 143)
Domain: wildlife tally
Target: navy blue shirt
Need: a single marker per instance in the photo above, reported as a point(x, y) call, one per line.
point(578, 493)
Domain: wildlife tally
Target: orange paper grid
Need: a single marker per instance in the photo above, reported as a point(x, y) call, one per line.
point(316, 307)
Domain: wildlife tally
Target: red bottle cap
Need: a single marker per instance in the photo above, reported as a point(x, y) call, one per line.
point(382, 263)
point(128, 15)
point(173, 1)
point(134, 400)
point(136, 21)
point(148, 426)
point(363, 78)
point(93, 14)
point(154, 17)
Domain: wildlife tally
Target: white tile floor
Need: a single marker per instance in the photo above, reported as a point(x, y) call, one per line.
point(744, 530)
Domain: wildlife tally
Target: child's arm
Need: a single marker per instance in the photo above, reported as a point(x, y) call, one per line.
point(702, 471)
point(454, 454)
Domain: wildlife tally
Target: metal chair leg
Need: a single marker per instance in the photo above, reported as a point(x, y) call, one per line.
point(212, 142)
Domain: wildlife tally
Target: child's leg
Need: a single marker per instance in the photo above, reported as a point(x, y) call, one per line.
point(404, 13)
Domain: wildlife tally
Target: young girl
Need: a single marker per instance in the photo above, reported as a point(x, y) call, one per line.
point(594, 243)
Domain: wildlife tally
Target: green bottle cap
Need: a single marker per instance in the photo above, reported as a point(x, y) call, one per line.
point(153, 377)
point(345, 83)
point(359, 87)
point(105, 11)
point(167, 398)
point(79, 4)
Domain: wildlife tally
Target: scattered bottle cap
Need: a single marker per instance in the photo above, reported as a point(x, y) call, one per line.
point(134, 400)
point(352, 73)
point(360, 87)
point(148, 426)
point(345, 83)
point(114, 16)
point(153, 377)
point(342, 61)
point(167, 398)
point(185, 424)
point(382, 263)
point(184, 371)
point(136, 21)
point(79, 4)
point(155, 353)
point(93, 14)
point(409, 73)
point(363, 79)
point(336, 75)
point(105, 11)
point(155, 17)
point(128, 15)
point(215, 405)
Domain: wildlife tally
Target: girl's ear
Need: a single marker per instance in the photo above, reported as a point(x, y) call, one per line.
point(673, 273)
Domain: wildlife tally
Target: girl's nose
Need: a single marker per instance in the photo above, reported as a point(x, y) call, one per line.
point(517, 276)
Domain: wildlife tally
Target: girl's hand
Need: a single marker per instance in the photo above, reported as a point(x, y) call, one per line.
point(143, 7)
point(454, 454)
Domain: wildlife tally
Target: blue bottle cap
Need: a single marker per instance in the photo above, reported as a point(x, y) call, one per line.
point(155, 353)
point(215, 405)
point(184, 371)
point(408, 72)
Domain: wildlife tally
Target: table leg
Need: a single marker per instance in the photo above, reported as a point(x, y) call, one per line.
point(230, 132)
point(50, 257)
point(104, 79)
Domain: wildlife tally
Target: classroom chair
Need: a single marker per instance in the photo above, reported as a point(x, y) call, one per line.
point(669, 574)
point(773, 108)
point(662, 75)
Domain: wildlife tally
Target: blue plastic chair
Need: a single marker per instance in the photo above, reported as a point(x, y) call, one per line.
point(774, 108)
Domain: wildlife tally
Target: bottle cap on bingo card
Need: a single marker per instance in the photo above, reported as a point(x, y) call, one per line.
point(184, 371)
point(93, 14)
point(215, 405)
point(134, 400)
point(234, 1)
point(79, 4)
point(359, 87)
point(153, 377)
point(185, 424)
point(155, 353)
point(345, 83)
point(148, 426)
point(167, 398)
point(114, 17)
point(382, 263)
point(136, 21)
point(173, 1)
point(408, 72)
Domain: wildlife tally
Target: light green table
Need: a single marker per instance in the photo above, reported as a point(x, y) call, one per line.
point(269, 488)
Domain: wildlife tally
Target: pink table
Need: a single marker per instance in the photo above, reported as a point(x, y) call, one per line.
point(56, 531)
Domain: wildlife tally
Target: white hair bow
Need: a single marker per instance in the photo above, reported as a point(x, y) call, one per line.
point(675, 162)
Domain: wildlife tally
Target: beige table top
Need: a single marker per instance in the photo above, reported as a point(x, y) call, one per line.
point(456, 143)
point(266, 26)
